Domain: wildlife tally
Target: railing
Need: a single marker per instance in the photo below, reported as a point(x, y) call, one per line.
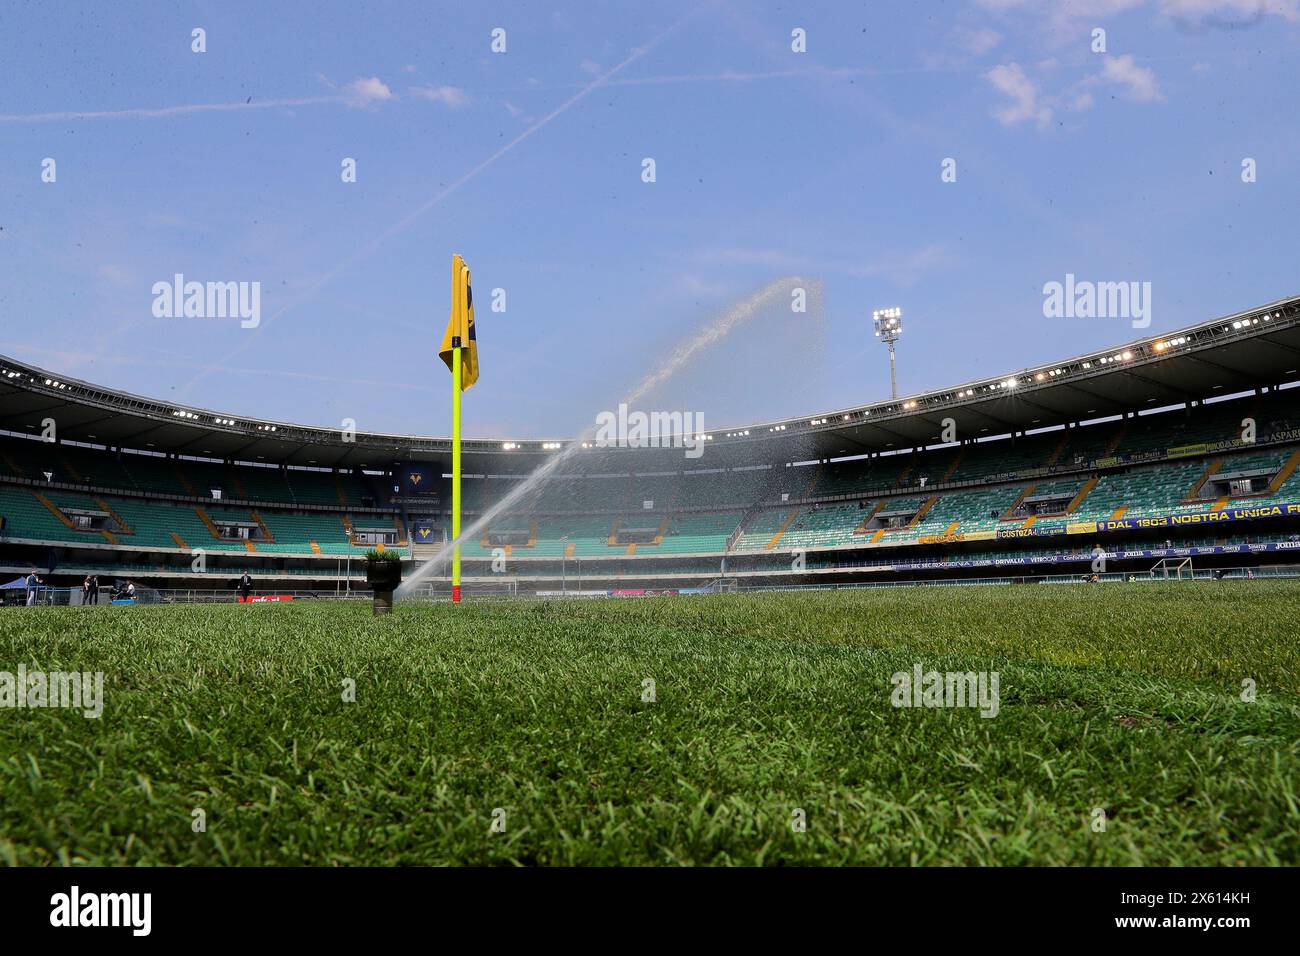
point(441, 591)
point(13, 597)
point(63, 597)
point(1110, 577)
point(172, 498)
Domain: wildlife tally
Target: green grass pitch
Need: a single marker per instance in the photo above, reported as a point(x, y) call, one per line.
point(1126, 698)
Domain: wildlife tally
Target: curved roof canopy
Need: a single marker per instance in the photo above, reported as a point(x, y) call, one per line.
point(1257, 347)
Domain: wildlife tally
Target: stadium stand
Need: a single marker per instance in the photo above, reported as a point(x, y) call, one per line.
point(1121, 464)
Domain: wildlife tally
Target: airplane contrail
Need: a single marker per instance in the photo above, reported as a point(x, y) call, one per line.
point(165, 111)
point(442, 194)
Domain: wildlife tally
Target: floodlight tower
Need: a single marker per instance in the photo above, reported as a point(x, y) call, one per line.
point(889, 326)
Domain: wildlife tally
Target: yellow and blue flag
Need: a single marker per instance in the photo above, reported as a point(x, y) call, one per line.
point(461, 324)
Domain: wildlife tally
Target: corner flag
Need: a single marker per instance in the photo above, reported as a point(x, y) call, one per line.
point(460, 325)
point(460, 351)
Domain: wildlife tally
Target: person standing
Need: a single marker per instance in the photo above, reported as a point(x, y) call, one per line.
point(33, 584)
point(85, 590)
point(94, 589)
point(245, 587)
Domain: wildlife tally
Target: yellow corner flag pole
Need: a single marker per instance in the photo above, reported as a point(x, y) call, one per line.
point(459, 344)
point(455, 470)
point(456, 345)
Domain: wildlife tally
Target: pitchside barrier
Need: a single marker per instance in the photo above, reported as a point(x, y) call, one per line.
point(71, 597)
point(736, 585)
point(441, 590)
point(1110, 577)
point(64, 597)
point(199, 596)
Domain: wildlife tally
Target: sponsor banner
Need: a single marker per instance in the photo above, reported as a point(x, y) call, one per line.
point(1034, 531)
point(1086, 558)
point(264, 598)
point(1186, 451)
point(1209, 448)
point(1291, 509)
point(421, 480)
point(424, 530)
point(958, 536)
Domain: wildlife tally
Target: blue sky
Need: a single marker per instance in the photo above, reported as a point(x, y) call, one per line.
point(225, 166)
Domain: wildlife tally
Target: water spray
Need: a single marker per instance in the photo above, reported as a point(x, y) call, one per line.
point(718, 328)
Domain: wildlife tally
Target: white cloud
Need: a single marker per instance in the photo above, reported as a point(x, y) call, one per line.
point(590, 67)
point(981, 41)
point(904, 267)
point(692, 284)
point(768, 258)
point(1230, 12)
point(366, 90)
point(446, 95)
point(1065, 20)
point(1011, 80)
point(114, 274)
point(1095, 9)
point(1139, 82)
point(1060, 22)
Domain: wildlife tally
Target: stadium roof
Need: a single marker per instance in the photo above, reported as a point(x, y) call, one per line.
point(1254, 348)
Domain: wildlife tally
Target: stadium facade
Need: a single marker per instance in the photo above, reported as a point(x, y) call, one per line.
point(1124, 463)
